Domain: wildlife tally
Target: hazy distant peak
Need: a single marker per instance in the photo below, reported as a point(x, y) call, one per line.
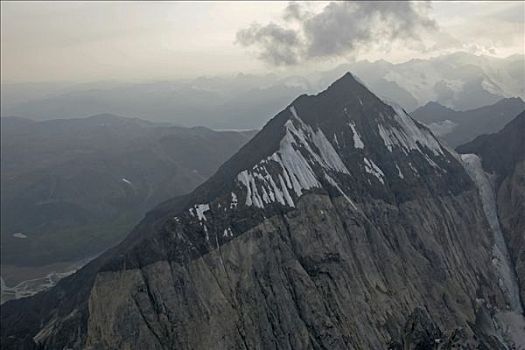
point(108, 117)
point(510, 100)
point(458, 127)
point(436, 106)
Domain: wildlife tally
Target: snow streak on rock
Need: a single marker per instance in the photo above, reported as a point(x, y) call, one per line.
point(305, 155)
point(234, 201)
point(373, 169)
point(300, 151)
point(201, 209)
point(333, 183)
point(358, 143)
point(399, 173)
point(408, 135)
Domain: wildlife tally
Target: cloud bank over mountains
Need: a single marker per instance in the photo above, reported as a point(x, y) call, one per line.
point(340, 28)
point(317, 33)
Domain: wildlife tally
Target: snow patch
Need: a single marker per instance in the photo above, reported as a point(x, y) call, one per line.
point(328, 154)
point(227, 232)
point(399, 172)
point(301, 148)
point(252, 195)
point(200, 209)
point(413, 168)
point(234, 201)
point(19, 235)
point(358, 143)
point(372, 168)
point(335, 140)
point(126, 181)
point(206, 232)
point(408, 135)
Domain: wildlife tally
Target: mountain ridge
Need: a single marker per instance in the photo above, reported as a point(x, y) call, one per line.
point(502, 159)
point(458, 127)
point(247, 101)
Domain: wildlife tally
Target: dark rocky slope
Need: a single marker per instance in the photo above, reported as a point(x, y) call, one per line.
point(73, 187)
point(343, 224)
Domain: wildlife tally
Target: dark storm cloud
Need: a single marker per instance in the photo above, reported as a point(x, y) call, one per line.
point(339, 29)
point(277, 45)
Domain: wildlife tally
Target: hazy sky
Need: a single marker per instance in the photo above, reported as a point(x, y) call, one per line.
point(90, 41)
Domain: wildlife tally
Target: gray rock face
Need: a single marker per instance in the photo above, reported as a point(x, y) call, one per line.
point(503, 156)
point(511, 210)
point(321, 276)
point(343, 224)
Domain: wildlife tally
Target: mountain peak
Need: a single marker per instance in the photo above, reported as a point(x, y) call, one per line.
point(433, 112)
point(347, 80)
point(435, 107)
point(510, 100)
point(346, 86)
point(340, 124)
point(344, 141)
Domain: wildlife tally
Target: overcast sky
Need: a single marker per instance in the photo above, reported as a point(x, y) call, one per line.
point(133, 41)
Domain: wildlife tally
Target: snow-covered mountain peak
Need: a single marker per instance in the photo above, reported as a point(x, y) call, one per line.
point(344, 141)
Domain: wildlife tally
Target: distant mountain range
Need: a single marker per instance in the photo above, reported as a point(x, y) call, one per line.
point(71, 188)
point(458, 127)
point(460, 81)
point(342, 224)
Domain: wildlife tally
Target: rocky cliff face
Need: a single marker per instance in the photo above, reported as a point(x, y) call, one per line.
point(511, 211)
point(343, 224)
point(503, 159)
